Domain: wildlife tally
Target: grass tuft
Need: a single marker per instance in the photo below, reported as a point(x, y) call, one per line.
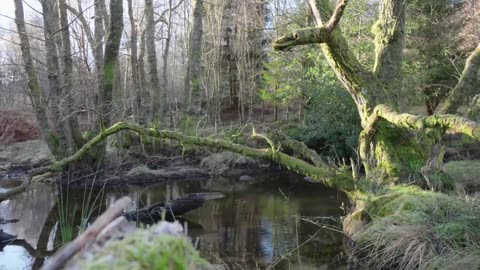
point(417, 229)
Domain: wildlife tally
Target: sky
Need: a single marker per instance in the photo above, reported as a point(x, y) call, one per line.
point(7, 8)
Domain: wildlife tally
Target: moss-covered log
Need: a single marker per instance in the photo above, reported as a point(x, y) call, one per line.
point(298, 148)
point(450, 122)
point(329, 176)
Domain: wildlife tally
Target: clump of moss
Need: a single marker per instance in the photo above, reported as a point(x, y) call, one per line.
point(145, 249)
point(417, 229)
point(400, 156)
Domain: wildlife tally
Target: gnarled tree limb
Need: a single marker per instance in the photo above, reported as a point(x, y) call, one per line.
point(450, 122)
point(337, 15)
point(303, 36)
point(465, 85)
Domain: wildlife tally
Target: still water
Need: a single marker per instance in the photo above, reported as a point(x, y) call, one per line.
point(281, 222)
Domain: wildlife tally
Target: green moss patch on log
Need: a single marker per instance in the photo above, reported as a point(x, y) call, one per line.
point(144, 249)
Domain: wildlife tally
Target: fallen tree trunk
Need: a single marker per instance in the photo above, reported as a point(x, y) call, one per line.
point(168, 211)
point(329, 176)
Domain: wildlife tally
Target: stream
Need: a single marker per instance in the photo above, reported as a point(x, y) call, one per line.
point(276, 221)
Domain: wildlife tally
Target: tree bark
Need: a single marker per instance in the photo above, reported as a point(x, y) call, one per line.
point(389, 42)
point(35, 90)
point(467, 86)
point(166, 52)
point(146, 94)
point(110, 62)
point(50, 26)
point(154, 82)
point(99, 58)
point(193, 81)
point(134, 63)
point(73, 133)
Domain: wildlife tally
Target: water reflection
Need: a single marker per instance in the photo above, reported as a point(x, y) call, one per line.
point(256, 224)
point(36, 216)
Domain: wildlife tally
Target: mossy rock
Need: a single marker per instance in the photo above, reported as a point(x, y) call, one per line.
point(144, 249)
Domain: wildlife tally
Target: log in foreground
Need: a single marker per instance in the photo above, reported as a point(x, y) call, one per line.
point(331, 177)
point(68, 251)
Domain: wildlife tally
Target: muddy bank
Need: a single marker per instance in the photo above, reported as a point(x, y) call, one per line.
point(124, 167)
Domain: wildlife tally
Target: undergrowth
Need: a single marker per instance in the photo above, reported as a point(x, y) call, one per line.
point(416, 229)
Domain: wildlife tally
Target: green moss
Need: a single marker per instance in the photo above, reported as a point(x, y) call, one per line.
point(400, 152)
point(414, 228)
point(144, 249)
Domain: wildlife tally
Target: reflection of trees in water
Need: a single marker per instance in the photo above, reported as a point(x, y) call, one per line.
point(253, 224)
point(31, 208)
point(36, 212)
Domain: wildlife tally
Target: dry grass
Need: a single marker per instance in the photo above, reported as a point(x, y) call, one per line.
point(417, 229)
point(14, 127)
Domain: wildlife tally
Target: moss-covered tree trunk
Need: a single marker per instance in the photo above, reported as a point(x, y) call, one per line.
point(154, 81)
point(194, 67)
point(37, 98)
point(391, 147)
point(110, 61)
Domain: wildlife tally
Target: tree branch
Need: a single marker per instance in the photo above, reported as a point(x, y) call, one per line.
point(69, 250)
point(337, 15)
point(465, 87)
point(312, 35)
point(303, 36)
point(86, 26)
point(446, 122)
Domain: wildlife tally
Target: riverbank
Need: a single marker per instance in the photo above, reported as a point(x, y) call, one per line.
point(400, 227)
point(405, 227)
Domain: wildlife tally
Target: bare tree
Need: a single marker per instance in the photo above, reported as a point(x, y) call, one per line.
point(154, 82)
point(35, 90)
point(193, 83)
